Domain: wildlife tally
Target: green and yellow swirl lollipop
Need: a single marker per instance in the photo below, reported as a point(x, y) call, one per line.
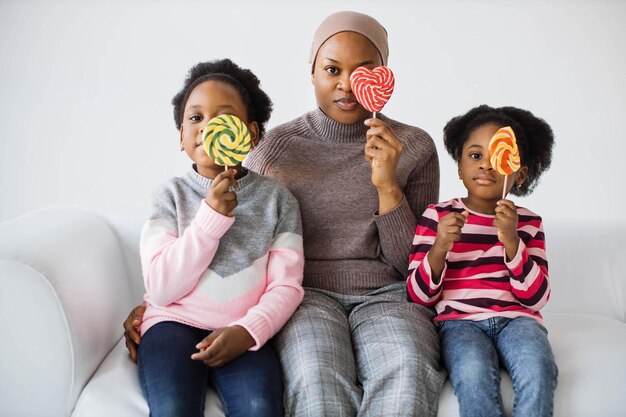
point(227, 140)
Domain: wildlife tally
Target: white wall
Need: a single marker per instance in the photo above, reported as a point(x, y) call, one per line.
point(85, 87)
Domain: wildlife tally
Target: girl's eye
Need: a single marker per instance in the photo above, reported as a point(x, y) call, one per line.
point(332, 70)
point(195, 118)
point(475, 155)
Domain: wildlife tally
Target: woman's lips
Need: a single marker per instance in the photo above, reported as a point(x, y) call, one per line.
point(347, 103)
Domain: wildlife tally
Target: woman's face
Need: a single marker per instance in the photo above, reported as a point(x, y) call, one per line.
point(341, 54)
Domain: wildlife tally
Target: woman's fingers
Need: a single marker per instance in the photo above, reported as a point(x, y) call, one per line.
point(378, 148)
point(383, 138)
point(132, 348)
point(383, 131)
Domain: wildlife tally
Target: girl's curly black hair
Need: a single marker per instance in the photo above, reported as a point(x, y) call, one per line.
point(258, 103)
point(534, 138)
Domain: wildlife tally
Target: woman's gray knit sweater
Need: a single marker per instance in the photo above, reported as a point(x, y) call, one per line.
point(348, 247)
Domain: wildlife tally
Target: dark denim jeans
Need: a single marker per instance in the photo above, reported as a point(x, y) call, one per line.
point(175, 385)
point(472, 352)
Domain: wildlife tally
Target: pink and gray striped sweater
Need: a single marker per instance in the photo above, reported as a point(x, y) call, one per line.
point(477, 282)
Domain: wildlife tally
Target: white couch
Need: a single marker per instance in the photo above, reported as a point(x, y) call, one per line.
point(69, 277)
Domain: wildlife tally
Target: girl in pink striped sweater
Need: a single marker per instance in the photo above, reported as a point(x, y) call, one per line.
point(481, 262)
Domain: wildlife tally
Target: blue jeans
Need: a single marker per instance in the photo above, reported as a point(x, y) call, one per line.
point(472, 352)
point(175, 385)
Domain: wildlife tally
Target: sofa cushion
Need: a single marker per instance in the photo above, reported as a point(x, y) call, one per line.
point(114, 390)
point(590, 352)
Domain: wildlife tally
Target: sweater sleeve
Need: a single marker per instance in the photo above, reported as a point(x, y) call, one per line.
point(172, 264)
point(529, 267)
point(420, 286)
point(285, 268)
point(396, 228)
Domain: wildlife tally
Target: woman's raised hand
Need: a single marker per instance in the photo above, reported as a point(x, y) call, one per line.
point(382, 151)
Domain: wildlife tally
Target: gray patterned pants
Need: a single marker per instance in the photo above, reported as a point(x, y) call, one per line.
point(360, 355)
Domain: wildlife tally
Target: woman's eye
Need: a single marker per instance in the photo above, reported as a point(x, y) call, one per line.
point(332, 70)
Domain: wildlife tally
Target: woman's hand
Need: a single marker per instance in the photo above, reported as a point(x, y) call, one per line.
point(219, 196)
point(506, 223)
point(131, 333)
point(223, 345)
point(382, 151)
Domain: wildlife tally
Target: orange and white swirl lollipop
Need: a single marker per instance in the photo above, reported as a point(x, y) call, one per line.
point(504, 154)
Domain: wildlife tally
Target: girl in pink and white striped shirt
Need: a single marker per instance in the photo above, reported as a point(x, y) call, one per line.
point(481, 262)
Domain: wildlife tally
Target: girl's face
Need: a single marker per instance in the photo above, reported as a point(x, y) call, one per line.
point(484, 184)
point(341, 54)
point(206, 101)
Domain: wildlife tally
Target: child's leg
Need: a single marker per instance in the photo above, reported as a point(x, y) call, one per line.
point(527, 355)
point(251, 385)
point(173, 384)
point(472, 362)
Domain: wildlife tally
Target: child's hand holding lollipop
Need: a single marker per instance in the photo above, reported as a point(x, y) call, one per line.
point(227, 140)
point(505, 159)
point(219, 196)
point(506, 223)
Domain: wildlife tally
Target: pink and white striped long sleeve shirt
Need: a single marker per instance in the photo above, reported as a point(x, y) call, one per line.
point(477, 281)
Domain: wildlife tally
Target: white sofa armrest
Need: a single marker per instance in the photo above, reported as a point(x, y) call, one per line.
point(65, 290)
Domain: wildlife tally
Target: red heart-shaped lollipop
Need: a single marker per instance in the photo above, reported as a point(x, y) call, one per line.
point(372, 88)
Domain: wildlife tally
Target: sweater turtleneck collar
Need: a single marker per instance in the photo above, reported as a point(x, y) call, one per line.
point(328, 130)
point(202, 183)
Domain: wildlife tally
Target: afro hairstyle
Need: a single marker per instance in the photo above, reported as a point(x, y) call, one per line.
point(534, 138)
point(258, 103)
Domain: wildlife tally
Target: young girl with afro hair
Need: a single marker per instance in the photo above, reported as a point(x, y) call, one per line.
point(222, 260)
point(481, 262)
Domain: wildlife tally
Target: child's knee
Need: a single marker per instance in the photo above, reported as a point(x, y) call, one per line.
point(541, 373)
point(471, 370)
point(261, 405)
point(175, 405)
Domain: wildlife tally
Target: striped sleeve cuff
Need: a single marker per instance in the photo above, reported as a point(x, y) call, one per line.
point(428, 271)
point(515, 265)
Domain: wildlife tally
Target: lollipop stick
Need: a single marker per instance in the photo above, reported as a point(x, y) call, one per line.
point(226, 169)
point(504, 188)
point(374, 116)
